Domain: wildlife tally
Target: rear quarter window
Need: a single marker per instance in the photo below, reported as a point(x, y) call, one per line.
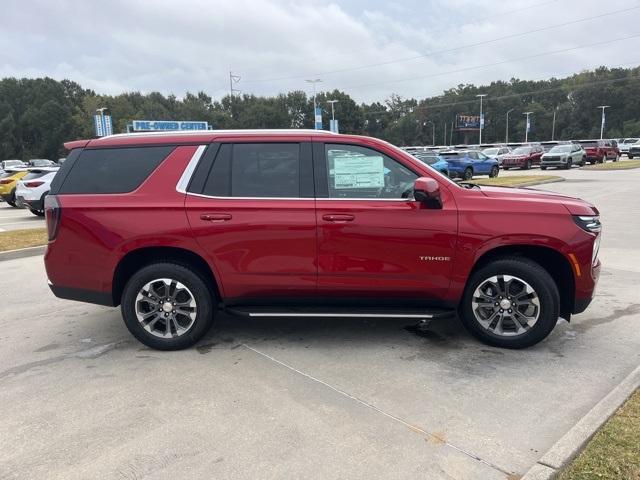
point(111, 170)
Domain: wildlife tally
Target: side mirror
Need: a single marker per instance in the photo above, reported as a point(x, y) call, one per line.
point(426, 190)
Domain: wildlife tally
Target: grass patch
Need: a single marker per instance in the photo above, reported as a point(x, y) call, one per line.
point(614, 451)
point(619, 165)
point(517, 180)
point(15, 239)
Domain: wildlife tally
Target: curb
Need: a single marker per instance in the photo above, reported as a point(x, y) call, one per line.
point(540, 182)
point(22, 253)
point(572, 442)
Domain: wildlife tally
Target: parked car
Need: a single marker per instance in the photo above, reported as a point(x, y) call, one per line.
point(176, 227)
point(496, 153)
point(5, 164)
point(8, 182)
point(41, 162)
point(435, 161)
point(33, 187)
point(626, 144)
point(564, 156)
point(634, 150)
point(468, 163)
point(523, 157)
point(599, 151)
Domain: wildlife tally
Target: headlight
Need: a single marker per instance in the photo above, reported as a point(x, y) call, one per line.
point(588, 223)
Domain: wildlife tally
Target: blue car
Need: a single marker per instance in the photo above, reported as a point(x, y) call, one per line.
point(436, 162)
point(468, 163)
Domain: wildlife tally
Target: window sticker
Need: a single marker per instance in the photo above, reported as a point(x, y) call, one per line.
point(358, 172)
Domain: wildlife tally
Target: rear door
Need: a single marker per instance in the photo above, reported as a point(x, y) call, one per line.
point(251, 209)
point(374, 240)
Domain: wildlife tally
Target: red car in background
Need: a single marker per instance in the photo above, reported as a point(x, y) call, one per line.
point(599, 151)
point(523, 157)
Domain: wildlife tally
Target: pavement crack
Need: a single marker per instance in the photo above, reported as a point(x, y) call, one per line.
point(429, 435)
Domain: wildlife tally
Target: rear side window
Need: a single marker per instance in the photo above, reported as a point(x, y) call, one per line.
point(112, 170)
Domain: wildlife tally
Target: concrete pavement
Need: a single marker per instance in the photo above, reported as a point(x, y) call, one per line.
point(18, 218)
point(292, 398)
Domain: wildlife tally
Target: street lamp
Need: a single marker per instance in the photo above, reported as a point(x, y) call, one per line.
point(526, 131)
point(433, 132)
point(602, 121)
point(481, 96)
point(506, 135)
point(553, 125)
point(333, 102)
point(313, 82)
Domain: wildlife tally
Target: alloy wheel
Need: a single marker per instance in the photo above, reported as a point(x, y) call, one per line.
point(165, 308)
point(505, 305)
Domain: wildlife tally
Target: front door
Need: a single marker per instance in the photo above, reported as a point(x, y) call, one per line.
point(374, 240)
point(251, 209)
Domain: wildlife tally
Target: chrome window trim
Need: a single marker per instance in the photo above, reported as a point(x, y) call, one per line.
point(183, 183)
point(303, 198)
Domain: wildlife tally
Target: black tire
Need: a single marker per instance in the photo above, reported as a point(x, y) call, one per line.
point(583, 162)
point(567, 165)
point(202, 294)
point(494, 172)
point(527, 165)
point(603, 159)
point(543, 168)
point(468, 173)
point(629, 156)
point(11, 199)
point(538, 278)
point(506, 168)
point(38, 213)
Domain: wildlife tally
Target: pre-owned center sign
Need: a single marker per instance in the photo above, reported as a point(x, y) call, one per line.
point(153, 125)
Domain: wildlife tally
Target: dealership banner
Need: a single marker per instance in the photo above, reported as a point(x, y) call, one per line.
point(163, 125)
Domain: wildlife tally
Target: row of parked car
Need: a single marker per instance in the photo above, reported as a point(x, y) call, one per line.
point(467, 161)
point(24, 185)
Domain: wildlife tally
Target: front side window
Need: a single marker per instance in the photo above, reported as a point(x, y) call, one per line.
point(359, 172)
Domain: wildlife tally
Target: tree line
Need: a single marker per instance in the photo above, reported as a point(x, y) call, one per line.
point(38, 115)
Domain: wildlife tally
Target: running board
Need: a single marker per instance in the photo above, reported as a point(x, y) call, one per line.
point(325, 312)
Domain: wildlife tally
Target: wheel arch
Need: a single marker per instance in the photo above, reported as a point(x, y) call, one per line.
point(553, 261)
point(138, 258)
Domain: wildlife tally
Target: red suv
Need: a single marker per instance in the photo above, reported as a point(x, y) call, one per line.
point(523, 157)
point(177, 227)
point(599, 151)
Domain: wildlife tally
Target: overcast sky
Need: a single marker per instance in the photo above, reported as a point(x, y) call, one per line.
point(190, 45)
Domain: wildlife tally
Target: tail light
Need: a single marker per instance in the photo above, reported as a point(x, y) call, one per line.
point(33, 184)
point(6, 181)
point(52, 213)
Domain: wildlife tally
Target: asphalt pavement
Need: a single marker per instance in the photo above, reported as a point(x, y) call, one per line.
point(18, 218)
point(299, 398)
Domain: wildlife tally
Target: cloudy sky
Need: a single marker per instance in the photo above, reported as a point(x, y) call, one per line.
point(368, 48)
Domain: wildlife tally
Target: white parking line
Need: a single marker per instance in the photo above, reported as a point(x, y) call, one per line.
point(26, 222)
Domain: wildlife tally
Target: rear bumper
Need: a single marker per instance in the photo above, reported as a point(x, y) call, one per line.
point(81, 295)
point(34, 204)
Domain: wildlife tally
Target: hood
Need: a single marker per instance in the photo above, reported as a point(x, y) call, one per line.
point(575, 206)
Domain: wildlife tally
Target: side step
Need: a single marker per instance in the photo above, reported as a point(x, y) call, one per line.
point(339, 312)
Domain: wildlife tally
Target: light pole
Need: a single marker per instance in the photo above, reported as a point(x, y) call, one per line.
point(602, 121)
point(481, 96)
point(506, 135)
point(553, 125)
point(433, 132)
point(526, 131)
point(313, 82)
point(332, 102)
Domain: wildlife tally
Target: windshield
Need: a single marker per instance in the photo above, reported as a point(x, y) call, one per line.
point(631, 140)
point(522, 151)
point(428, 159)
point(491, 151)
point(561, 149)
point(588, 144)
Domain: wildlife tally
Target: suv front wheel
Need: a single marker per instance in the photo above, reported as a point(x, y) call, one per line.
point(167, 306)
point(511, 302)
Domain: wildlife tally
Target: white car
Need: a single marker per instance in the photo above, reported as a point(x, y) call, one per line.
point(496, 153)
point(626, 144)
point(33, 187)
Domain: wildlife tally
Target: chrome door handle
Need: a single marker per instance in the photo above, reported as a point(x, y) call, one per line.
point(338, 217)
point(215, 217)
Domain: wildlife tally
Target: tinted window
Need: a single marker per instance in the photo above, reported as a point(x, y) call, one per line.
point(269, 170)
point(358, 172)
point(112, 170)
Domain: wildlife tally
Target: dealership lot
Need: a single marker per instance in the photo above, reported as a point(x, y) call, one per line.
point(17, 219)
point(308, 398)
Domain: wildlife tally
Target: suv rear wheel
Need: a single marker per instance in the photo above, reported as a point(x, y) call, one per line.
point(511, 302)
point(167, 306)
point(468, 173)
